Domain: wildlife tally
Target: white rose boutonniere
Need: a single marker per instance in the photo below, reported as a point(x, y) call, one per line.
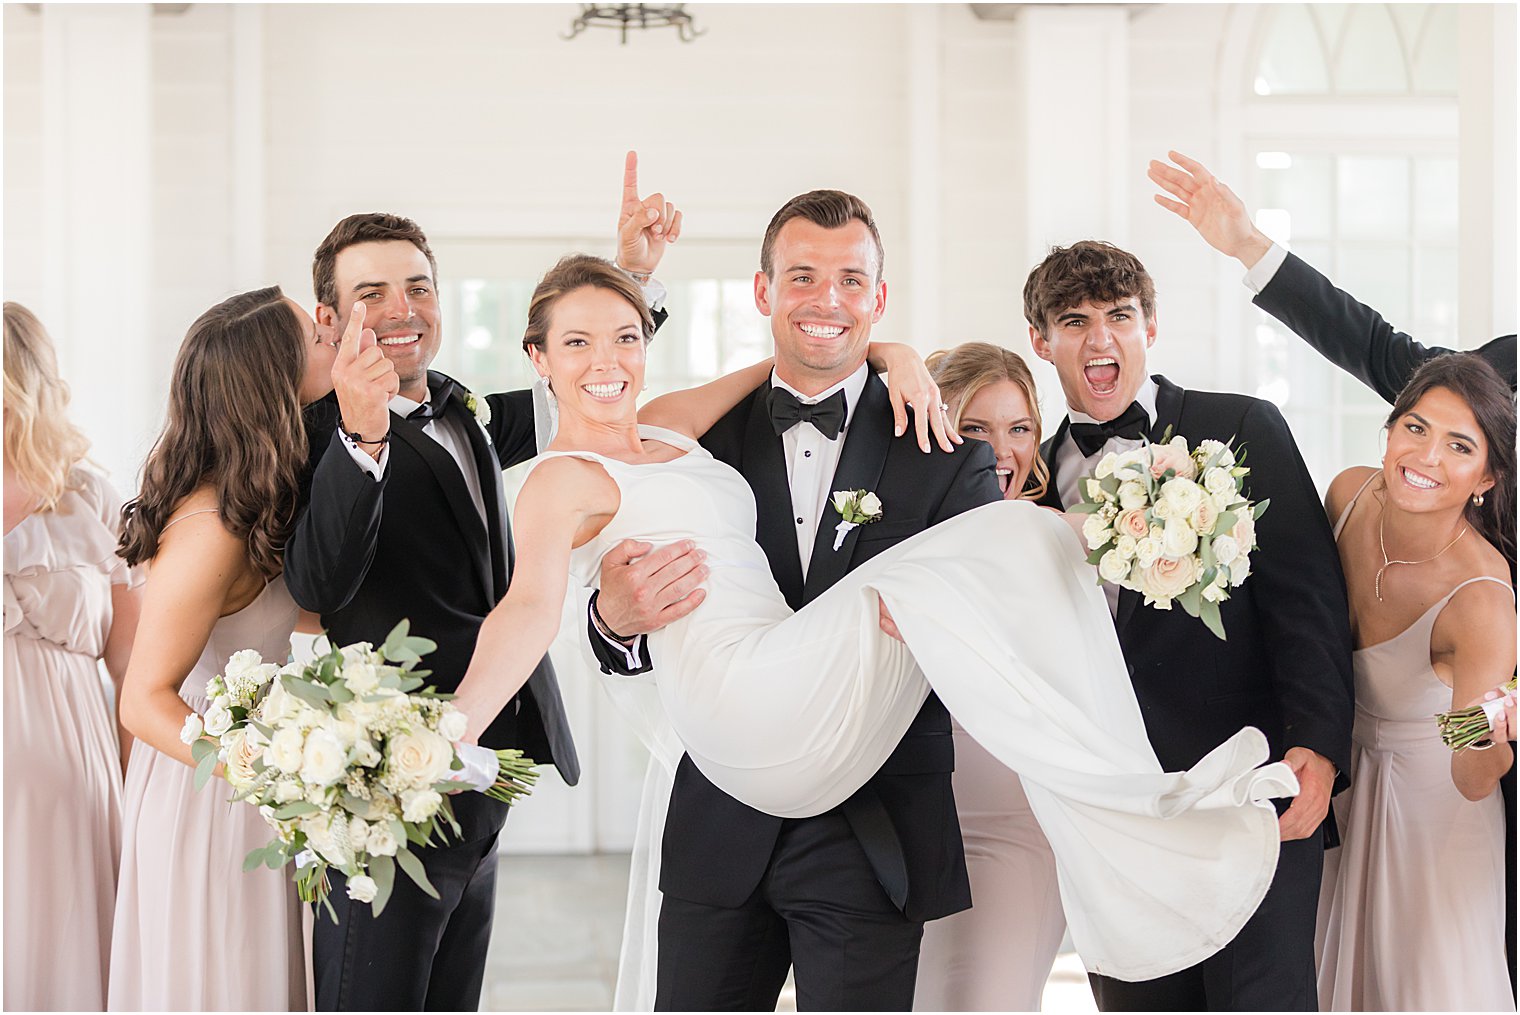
point(856, 508)
point(481, 410)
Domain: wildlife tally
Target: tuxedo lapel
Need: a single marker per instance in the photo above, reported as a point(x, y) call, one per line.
point(498, 524)
point(461, 505)
point(867, 440)
point(1052, 497)
point(763, 466)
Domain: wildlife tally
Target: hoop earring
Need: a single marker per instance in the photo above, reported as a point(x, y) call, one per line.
point(1477, 500)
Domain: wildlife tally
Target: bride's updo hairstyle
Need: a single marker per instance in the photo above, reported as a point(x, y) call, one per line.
point(234, 421)
point(581, 271)
point(1492, 402)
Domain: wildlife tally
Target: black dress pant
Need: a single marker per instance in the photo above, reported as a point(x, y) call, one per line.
point(421, 953)
point(819, 909)
point(1268, 967)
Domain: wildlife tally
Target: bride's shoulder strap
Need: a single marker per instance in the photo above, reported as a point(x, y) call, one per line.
point(671, 437)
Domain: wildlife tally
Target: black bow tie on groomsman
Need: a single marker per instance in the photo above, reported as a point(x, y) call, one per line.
point(1131, 424)
point(433, 408)
point(787, 410)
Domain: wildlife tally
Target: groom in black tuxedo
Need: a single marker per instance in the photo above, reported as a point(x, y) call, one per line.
point(406, 519)
point(1286, 667)
point(841, 897)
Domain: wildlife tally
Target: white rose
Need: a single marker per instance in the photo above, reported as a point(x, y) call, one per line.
point(1134, 463)
point(242, 663)
point(870, 505)
point(1216, 591)
point(361, 678)
point(419, 805)
point(1245, 530)
point(1179, 540)
point(1147, 550)
point(358, 833)
point(358, 652)
point(1204, 516)
point(421, 758)
point(1096, 530)
point(1217, 480)
point(1163, 509)
point(328, 838)
point(1106, 466)
point(285, 749)
point(365, 753)
point(323, 759)
point(1209, 448)
point(278, 703)
point(1240, 570)
point(1094, 489)
point(1132, 495)
point(239, 752)
point(218, 718)
point(452, 725)
point(192, 730)
point(1182, 494)
point(381, 841)
point(1168, 577)
point(1124, 546)
point(286, 791)
point(841, 501)
point(1113, 567)
point(362, 888)
point(1226, 549)
point(1223, 501)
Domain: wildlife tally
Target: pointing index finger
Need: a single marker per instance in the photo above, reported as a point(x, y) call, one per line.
point(353, 333)
point(631, 178)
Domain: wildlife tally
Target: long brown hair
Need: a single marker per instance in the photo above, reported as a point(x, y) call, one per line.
point(968, 368)
point(234, 422)
point(1492, 403)
point(41, 445)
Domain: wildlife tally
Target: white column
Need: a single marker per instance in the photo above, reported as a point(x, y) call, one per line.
point(1486, 228)
point(919, 263)
point(97, 236)
point(248, 147)
point(1075, 65)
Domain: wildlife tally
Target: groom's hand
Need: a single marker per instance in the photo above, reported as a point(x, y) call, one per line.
point(1210, 207)
point(645, 224)
point(365, 382)
point(1316, 777)
point(643, 591)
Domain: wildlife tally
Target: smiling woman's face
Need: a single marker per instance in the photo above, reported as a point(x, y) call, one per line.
point(1437, 457)
point(594, 355)
point(1000, 414)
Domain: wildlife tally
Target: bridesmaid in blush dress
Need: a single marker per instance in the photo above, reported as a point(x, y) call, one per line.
point(69, 604)
point(1411, 911)
point(193, 931)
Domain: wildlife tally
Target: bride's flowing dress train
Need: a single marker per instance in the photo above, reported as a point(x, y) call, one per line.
point(791, 713)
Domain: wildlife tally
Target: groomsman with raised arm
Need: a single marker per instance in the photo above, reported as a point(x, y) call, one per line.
point(1286, 666)
point(840, 898)
point(1335, 324)
point(405, 519)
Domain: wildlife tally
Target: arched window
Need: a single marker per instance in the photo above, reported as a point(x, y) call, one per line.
point(1349, 120)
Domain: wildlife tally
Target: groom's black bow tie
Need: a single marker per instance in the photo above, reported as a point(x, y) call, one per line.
point(1090, 437)
point(433, 408)
point(787, 411)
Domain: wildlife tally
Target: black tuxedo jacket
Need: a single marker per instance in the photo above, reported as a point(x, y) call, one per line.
point(365, 554)
point(1355, 337)
point(1286, 666)
point(716, 849)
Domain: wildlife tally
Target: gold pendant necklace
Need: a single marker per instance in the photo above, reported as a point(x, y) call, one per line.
point(1377, 581)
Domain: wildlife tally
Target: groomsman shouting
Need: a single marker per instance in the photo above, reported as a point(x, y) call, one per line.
point(1286, 668)
point(406, 520)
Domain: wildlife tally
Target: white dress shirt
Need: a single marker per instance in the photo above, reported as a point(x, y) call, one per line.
point(445, 432)
point(811, 459)
point(1072, 466)
point(1264, 270)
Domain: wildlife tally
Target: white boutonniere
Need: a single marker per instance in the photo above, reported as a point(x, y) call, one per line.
point(855, 507)
point(481, 410)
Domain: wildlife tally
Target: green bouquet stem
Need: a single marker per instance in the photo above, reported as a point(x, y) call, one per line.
point(1463, 727)
point(515, 777)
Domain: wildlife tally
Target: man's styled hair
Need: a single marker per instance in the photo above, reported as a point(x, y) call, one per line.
point(370, 227)
point(1089, 270)
point(831, 209)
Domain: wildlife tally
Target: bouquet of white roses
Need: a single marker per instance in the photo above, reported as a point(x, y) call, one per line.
point(350, 760)
point(1172, 524)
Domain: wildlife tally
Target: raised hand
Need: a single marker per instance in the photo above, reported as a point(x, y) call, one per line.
point(1210, 207)
point(645, 225)
point(365, 382)
point(909, 384)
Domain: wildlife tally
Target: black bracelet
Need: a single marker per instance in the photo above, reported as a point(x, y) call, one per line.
point(606, 627)
point(354, 436)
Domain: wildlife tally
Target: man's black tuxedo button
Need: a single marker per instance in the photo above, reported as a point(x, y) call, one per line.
point(807, 454)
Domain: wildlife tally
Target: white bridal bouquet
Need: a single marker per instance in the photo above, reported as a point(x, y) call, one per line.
point(349, 759)
point(1172, 524)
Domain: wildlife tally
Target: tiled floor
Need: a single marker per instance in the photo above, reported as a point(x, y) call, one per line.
point(569, 961)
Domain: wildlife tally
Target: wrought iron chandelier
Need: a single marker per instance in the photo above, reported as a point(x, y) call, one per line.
point(625, 16)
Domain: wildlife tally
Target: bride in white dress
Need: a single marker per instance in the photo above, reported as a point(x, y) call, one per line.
point(1157, 870)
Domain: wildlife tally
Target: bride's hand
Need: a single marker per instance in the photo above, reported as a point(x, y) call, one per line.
point(645, 224)
point(909, 384)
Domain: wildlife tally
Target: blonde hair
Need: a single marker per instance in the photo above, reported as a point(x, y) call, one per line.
point(971, 366)
point(41, 445)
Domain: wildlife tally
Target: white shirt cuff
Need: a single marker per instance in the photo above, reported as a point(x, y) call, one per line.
point(375, 467)
point(655, 293)
point(1264, 270)
point(633, 654)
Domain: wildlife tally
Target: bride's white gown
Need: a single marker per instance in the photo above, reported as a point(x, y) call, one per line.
point(791, 713)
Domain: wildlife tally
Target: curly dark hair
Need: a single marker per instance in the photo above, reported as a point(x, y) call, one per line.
point(367, 227)
point(1087, 270)
point(234, 422)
